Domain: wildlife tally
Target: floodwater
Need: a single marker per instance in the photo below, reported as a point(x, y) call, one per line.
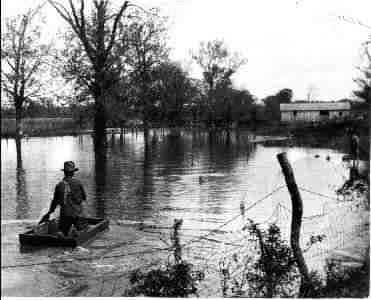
point(195, 177)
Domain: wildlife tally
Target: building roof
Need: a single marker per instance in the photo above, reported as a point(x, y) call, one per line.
point(310, 106)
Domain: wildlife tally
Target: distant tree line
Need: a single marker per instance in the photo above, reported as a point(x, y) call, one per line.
point(37, 110)
point(117, 60)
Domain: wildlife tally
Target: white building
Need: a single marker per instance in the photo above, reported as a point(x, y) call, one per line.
point(314, 111)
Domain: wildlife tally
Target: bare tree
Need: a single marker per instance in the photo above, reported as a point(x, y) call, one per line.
point(312, 92)
point(97, 32)
point(218, 65)
point(364, 82)
point(23, 58)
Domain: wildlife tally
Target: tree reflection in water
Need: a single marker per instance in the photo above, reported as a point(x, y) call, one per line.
point(100, 169)
point(153, 181)
point(147, 183)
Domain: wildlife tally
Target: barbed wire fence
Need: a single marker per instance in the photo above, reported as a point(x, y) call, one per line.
point(339, 222)
point(342, 223)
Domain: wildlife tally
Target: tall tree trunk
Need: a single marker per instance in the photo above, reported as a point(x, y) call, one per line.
point(270, 286)
point(100, 121)
point(144, 94)
point(18, 146)
point(18, 121)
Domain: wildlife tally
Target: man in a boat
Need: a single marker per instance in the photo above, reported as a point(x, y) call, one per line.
point(69, 193)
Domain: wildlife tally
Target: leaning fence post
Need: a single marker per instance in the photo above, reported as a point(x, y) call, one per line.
point(242, 210)
point(176, 241)
point(297, 213)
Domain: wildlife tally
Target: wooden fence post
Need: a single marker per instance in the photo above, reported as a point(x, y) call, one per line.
point(297, 213)
point(176, 242)
point(242, 210)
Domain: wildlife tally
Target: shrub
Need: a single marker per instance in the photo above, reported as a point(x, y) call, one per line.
point(269, 271)
point(173, 280)
point(341, 281)
point(275, 269)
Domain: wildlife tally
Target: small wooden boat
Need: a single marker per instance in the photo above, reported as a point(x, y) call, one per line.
point(46, 234)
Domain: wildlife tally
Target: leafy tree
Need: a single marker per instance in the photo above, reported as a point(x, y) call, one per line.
point(174, 89)
point(243, 105)
point(94, 62)
point(145, 38)
point(272, 103)
point(233, 105)
point(218, 65)
point(285, 95)
point(23, 58)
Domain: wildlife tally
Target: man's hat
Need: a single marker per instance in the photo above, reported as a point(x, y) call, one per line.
point(69, 166)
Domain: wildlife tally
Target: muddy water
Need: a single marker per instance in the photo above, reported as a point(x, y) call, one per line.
point(198, 178)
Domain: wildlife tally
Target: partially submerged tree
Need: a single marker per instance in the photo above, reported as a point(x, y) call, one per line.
point(145, 41)
point(23, 57)
point(218, 65)
point(75, 68)
point(242, 104)
point(97, 31)
point(174, 89)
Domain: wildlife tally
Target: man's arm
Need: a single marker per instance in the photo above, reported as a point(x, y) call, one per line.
point(56, 199)
point(53, 205)
point(83, 193)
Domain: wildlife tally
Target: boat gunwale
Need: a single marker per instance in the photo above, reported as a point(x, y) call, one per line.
point(45, 239)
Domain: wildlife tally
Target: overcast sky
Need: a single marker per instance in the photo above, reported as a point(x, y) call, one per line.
point(288, 44)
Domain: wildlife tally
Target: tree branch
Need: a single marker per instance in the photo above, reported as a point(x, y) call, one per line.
point(65, 14)
point(83, 36)
point(76, 19)
point(114, 29)
point(33, 69)
point(6, 86)
point(33, 93)
point(10, 64)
